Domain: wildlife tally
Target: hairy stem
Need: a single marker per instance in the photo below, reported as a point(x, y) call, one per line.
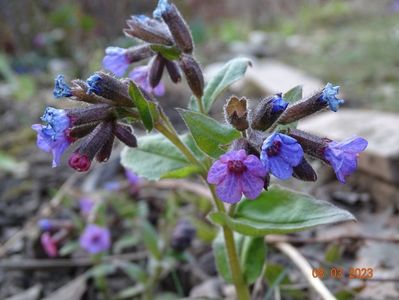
point(200, 105)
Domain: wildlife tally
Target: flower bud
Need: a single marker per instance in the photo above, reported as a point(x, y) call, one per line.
point(125, 135)
point(173, 70)
point(138, 53)
point(304, 171)
point(267, 112)
point(302, 108)
point(178, 27)
point(183, 235)
point(109, 87)
point(193, 72)
point(148, 30)
point(235, 113)
point(311, 144)
point(79, 162)
point(92, 113)
point(156, 70)
point(105, 152)
point(78, 132)
point(79, 93)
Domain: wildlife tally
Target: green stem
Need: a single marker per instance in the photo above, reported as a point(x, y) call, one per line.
point(234, 262)
point(200, 105)
point(235, 268)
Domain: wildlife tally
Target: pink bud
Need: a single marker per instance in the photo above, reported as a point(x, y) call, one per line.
point(79, 162)
point(49, 245)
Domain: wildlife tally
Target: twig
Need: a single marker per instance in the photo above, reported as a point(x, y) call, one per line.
point(40, 264)
point(306, 269)
point(45, 211)
point(299, 240)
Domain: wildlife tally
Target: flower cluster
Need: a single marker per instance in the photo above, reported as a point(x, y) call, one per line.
point(166, 39)
point(247, 167)
point(95, 125)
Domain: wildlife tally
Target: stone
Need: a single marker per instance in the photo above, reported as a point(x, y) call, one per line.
point(380, 129)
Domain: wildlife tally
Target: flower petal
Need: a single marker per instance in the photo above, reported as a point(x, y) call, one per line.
point(255, 166)
point(217, 172)
point(252, 185)
point(230, 189)
point(280, 168)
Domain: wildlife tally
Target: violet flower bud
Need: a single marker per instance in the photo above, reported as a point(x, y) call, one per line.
point(177, 26)
point(235, 113)
point(125, 135)
point(267, 112)
point(193, 72)
point(156, 70)
point(148, 30)
point(140, 76)
point(304, 171)
point(116, 60)
point(173, 70)
point(316, 102)
point(182, 235)
point(109, 87)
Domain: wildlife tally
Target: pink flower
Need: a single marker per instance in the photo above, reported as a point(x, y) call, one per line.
point(237, 173)
point(49, 244)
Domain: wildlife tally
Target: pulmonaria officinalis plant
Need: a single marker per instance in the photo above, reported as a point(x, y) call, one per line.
point(236, 159)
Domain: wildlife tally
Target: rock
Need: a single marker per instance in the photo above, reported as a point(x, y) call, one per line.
point(270, 77)
point(32, 293)
point(209, 289)
point(380, 129)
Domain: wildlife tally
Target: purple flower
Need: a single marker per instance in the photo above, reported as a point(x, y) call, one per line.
point(61, 89)
point(236, 173)
point(343, 156)
point(94, 83)
point(49, 244)
point(329, 95)
point(86, 205)
point(95, 239)
point(45, 224)
point(133, 180)
point(116, 60)
point(112, 186)
point(280, 153)
point(279, 104)
point(140, 76)
point(52, 137)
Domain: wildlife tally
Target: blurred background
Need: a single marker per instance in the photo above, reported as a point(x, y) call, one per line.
point(353, 43)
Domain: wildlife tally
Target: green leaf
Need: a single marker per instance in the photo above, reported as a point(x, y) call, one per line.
point(153, 158)
point(231, 72)
point(293, 94)
point(281, 210)
point(208, 133)
point(251, 251)
point(102, 270)
point(252, 257)
point(126, 241)
point(168, 52)
point(69, 248)
point(147, 110)
point(150, 239)
point(134, 271)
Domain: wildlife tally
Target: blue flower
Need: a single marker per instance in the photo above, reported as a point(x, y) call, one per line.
point(116, 60)
point(52, 136)
point(161, 7)
point(61, 89)
point(94, 82)
point(343, 156)
point(45, 224)
point(280, 153)
point(329, 95)
point(279, 104)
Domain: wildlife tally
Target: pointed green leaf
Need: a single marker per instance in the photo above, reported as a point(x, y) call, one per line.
point(146, 109)
point(208, 133)
point(294, 94)
point(251, 251)
point(156, 158)
point(231, 72)
point(281, 210)
point(150, 239)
